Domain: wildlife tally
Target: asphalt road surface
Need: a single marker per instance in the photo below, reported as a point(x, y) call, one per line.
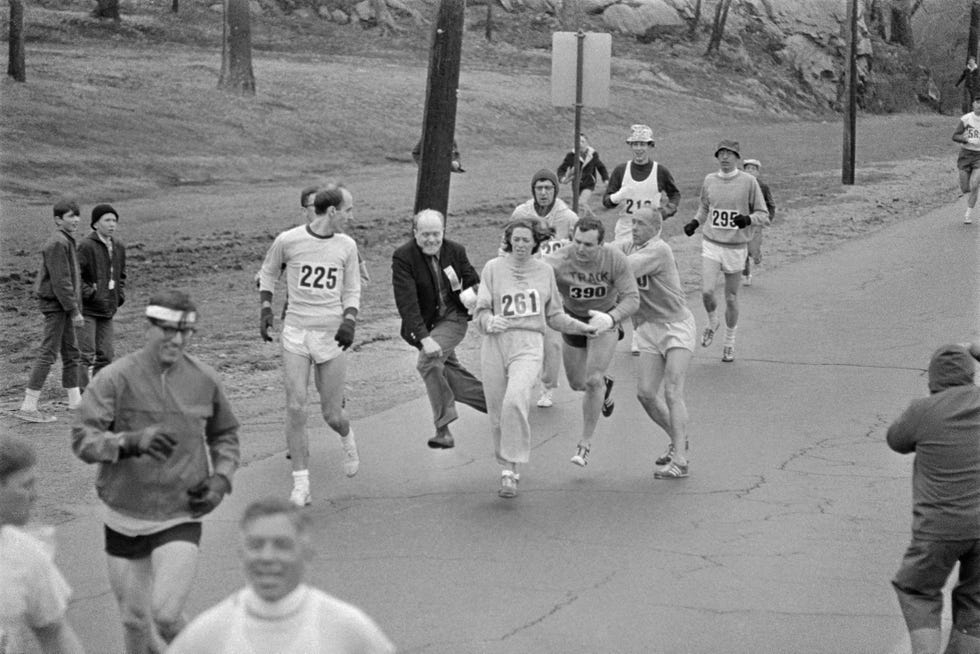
point(783, 539)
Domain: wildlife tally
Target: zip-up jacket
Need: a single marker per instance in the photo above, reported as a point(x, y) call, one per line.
point(57, 285)
point(97, 267)
point(136, 392)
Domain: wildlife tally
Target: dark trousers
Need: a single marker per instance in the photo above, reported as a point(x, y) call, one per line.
point(59, 337)
point(446, 380)
point(95, 344)
point(919, 584)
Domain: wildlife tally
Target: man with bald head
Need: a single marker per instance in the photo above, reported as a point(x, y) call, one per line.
point(435, 289)
point(665, 335)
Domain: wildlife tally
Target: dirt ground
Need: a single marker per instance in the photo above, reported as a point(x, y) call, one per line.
point(207, 233)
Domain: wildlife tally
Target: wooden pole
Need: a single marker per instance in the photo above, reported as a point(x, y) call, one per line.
point(850, 107)
point(973, 36)
point(576, 180)
point(439, 121)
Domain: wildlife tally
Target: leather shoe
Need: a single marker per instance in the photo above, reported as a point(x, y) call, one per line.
point(443, 440)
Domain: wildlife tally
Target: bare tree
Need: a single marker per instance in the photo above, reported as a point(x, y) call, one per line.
point(106, 9)
point(876, 19)
point(236, 50)
point(718, 27)
point(901, 22)
point(16, 64)
point(692, 29)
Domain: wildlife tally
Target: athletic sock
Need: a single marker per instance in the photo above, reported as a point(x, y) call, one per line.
point(730, 335)
point(301, 479)
point(712, 320)
point(30, 400)
point(74, 397)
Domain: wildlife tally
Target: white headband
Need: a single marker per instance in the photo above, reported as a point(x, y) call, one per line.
point(166, 314)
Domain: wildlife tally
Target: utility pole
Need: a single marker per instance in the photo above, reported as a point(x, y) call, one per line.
point(439, 121)
point(850, 106)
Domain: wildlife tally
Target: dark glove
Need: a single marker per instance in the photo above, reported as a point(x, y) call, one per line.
point(345, 334)
point(742, 221)
point(265, 323)
point(206, 496)
point(691, 227)
point(150, 441)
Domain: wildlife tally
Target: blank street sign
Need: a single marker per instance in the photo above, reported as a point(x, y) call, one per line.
point(596, 54)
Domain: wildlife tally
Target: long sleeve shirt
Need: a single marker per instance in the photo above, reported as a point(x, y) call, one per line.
point(523, 292)
point(604, 283)
point(722, 198)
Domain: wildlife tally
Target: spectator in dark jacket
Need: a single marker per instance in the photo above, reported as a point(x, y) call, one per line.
point(102, 263)
point(435, 288)
point(58, 291)
point(970, 79)
point(592, 169)
point(943, 431)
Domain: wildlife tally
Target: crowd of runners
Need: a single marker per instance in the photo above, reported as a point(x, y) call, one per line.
point(561, 293)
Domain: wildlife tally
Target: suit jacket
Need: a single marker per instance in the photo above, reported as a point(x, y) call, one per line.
point(415, 288)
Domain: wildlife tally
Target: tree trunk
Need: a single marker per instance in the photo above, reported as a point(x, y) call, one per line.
point(876, 20)
point(488, 28)
point(901, 21)
point(16, 65)
point(692, 29)
point(236, 50)
point(718, 26)
point(106, 9)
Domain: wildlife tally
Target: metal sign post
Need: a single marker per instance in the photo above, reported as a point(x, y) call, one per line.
point(584, 84)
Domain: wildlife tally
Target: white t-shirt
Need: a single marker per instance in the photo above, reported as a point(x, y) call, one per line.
point(33, 593)
point(307, 621)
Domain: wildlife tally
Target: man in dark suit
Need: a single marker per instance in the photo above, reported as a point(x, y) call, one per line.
point(435, 286)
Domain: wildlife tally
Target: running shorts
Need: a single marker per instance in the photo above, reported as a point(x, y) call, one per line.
point(317, 346)
point(732, 259)
point(658, 337)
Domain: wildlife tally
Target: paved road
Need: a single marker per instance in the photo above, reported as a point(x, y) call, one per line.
point(783, 539)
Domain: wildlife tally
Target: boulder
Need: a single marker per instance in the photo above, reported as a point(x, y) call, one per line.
point(595, 7)
point(638, 18)
point(816, 67)
point(363, 11)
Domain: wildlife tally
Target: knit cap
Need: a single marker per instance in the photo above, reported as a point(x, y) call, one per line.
point(100, 210)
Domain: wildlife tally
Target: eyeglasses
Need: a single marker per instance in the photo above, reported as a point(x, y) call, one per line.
point(170, 331)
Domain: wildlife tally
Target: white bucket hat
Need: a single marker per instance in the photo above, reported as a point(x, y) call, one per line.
point(640, 134)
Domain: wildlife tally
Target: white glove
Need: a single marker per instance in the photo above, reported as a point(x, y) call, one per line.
point(468, 297)
point(617, 197)
point(601, 320)
point(497, 324)
point(973, 140)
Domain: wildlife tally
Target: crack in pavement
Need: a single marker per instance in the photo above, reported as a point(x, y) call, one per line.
point(570, 598)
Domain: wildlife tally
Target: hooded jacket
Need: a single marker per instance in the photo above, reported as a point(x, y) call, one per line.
point(943, 430)
point(558, 217)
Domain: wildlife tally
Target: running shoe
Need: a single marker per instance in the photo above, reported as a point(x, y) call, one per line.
point(300, 496)
point(728, 353)
point(508, 484)
point(709, 334)
point(581, 457)
point(33, 416)
point(667, 456)
point(546, 400)
point(672, 471)
point(351, 461)
point(608, 404)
